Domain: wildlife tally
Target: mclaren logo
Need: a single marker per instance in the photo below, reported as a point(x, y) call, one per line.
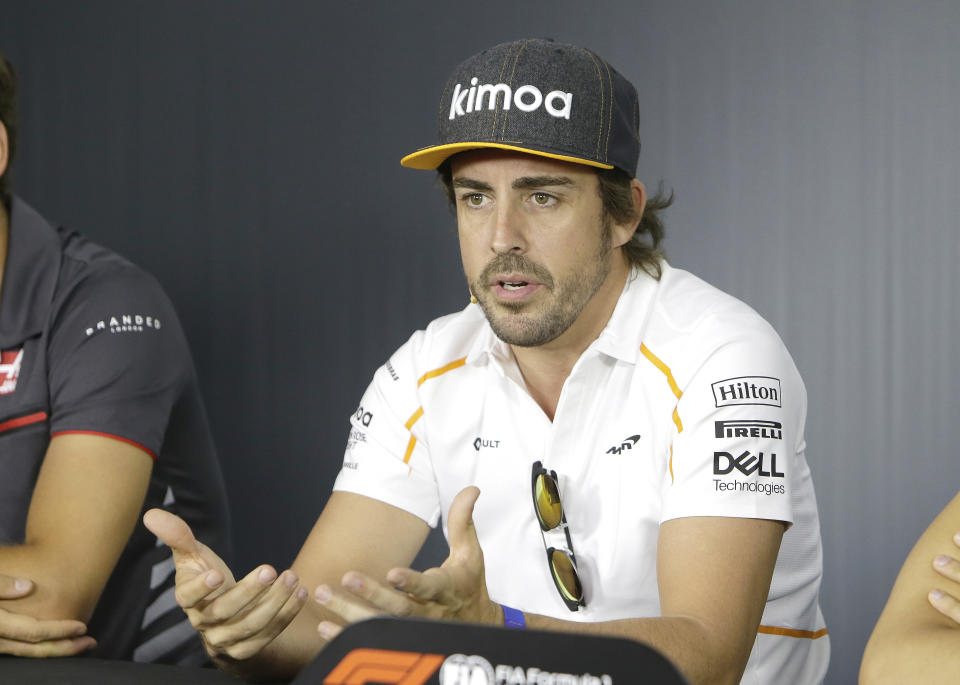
point(627, 444)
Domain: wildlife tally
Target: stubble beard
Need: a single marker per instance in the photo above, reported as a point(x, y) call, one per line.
point(527, 324)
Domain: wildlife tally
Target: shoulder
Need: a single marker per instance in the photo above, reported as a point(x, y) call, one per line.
point(98, 289)
point(692, 321)
point(446, 340)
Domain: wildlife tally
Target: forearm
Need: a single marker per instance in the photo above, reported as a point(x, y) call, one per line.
point(698, 652)
point(56, 593)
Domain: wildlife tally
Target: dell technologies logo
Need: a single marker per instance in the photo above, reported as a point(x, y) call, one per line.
point(747, 390)
point(525, 98)
point(749, 428)
point(746, 463)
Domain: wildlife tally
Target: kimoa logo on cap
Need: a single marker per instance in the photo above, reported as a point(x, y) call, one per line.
point(525, 98)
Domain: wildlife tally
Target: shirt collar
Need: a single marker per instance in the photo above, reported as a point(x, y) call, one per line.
point(620, 338)
point(29, 276)
point(622, 335)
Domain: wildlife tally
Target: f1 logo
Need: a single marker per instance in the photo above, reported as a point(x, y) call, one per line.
point(361, 666)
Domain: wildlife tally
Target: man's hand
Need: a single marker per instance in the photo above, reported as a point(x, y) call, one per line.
point(22, 635)
point(235, 619)
point(456, 590)
point(944, 602)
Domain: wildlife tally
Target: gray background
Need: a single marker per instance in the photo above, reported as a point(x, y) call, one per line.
point(247, 154)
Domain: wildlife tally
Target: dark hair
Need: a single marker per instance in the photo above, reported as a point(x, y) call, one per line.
point(8, 117)
point(643, 249)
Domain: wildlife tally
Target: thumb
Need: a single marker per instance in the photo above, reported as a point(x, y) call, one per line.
point(460, 529)
point(14, 588)
point(172, 530)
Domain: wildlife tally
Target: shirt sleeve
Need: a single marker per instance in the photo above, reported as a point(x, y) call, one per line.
point(739, 440)
point(387, 455)
point(118, 360)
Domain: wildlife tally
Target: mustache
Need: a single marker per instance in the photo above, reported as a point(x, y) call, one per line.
point(516, 263)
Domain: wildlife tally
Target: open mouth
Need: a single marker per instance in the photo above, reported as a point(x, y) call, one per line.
point(513, 285)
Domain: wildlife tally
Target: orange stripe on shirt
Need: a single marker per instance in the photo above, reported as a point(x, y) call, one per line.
point(792, 632)
point(417, 414)
point(665, 370)
point(442, 370)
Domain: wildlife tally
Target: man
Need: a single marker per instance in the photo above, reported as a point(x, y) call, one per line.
point(100, 416)
point(637, 435)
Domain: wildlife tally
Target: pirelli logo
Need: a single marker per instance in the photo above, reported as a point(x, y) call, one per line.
point(385, 667)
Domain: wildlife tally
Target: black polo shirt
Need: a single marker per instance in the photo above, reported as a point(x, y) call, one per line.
point(89, 343)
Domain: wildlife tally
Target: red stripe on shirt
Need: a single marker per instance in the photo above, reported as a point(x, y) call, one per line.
point(108, 435)
point(10, 424)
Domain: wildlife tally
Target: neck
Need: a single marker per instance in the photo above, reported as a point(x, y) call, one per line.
point(545, 368)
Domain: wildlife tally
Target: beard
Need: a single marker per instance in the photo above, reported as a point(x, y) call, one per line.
point(531, 324)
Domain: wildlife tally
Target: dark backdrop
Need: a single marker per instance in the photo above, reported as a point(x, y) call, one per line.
point(247, 154)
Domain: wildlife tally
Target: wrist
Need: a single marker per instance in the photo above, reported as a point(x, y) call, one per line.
point(513, 618)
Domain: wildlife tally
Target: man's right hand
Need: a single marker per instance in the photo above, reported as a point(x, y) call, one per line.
point(22, 635)
point(235, 619)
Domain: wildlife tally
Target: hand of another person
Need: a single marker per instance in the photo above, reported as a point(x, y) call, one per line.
point(235, 619)
point(946, 603)
point(22, 635)
point(456, 590)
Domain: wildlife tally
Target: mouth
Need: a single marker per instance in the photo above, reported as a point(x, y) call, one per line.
point(513, 287)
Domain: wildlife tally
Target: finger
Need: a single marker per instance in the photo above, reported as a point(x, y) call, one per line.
point(259, 626)
point(235, 600)
point(430, 586)
point(460, 530)
point(172, 530)
point(194, 587)
point(23, 628)
point(344, 604)
point(947, 567)
point(329, 630)
point(379, 595)
point(945, 604)
point(49, 648)
point(14, 588)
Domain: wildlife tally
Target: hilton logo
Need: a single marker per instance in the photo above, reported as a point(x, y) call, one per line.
point(747, 390)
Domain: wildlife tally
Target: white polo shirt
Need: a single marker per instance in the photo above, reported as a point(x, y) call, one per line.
point(687, 404)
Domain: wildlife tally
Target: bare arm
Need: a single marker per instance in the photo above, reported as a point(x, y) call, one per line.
point(85, 504)
point(914, 642)
point(256, 628)
point(707, 633)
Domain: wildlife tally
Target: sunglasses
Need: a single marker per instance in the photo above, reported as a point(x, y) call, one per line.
point(562, 562)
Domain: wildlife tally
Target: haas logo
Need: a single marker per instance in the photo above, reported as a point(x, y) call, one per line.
point(10, 361)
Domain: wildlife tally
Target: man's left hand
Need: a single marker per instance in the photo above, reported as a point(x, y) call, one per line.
point(457, 590)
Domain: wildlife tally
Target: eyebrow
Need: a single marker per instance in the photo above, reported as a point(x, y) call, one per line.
point(540, 181)
point(471, 184)
point(524, 182)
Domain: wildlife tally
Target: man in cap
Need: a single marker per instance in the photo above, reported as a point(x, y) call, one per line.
point(100, 418)
point(637, 435)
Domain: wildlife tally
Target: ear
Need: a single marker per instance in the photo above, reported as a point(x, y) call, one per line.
point(623, 232)
point(4, 149)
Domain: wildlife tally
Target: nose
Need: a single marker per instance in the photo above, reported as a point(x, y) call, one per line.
point(508, 230)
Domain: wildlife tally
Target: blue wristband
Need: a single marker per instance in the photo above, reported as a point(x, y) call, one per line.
point(513, 618)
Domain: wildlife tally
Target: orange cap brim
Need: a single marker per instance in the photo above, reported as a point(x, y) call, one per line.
point(435, 155)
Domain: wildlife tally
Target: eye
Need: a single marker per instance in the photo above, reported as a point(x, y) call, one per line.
point(543, 199)
point(474, 200)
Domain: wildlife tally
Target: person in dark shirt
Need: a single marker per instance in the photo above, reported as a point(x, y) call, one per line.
point(100, 419)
